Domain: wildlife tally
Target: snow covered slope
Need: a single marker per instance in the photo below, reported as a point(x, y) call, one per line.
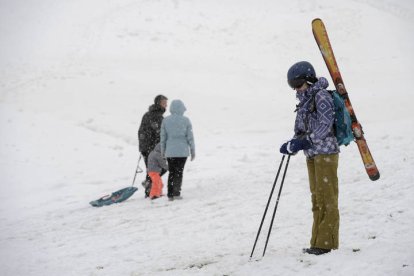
point(76, 77)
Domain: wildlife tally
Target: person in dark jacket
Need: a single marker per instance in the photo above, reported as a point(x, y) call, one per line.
point(149, 133)
point(314, 134)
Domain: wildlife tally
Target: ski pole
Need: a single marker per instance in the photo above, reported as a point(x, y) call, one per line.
point(137, 170)
point(277, 202)
point(267, 206)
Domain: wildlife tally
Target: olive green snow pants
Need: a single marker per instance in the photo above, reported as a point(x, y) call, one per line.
point(323, 180)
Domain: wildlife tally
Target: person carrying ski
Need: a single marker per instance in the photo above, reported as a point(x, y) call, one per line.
point(149, 133)
point(157, 166)
point(177, 143)
point(314, 134)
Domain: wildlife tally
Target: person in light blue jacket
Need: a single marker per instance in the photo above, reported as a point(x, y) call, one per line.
point(177, 143)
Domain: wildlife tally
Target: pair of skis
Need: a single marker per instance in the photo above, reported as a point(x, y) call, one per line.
point(322, 39)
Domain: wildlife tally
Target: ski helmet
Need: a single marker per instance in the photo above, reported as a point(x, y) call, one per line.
point(299, 73)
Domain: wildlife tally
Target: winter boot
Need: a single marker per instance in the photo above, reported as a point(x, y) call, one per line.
point(316, 251)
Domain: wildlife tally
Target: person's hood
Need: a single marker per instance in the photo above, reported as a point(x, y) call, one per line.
point(158, 148)
point(322, 83)
point(177, 107)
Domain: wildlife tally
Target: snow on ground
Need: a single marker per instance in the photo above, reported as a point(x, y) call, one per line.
point(76, 77)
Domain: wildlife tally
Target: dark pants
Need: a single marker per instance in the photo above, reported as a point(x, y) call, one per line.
point(145, 154)
point(175, 175)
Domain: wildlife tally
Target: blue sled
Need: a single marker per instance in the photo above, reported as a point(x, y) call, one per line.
point(115, 197)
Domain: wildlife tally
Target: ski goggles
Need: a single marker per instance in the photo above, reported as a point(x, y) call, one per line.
point(296, 83)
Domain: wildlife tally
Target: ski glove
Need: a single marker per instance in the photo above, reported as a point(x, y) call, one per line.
point(295, 145)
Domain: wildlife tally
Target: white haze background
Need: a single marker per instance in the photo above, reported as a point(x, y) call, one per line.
point(77, 76)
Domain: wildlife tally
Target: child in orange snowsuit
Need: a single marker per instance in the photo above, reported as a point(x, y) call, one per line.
point(157, 166)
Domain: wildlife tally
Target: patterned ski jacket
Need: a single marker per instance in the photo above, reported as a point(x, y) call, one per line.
point(315, 119)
